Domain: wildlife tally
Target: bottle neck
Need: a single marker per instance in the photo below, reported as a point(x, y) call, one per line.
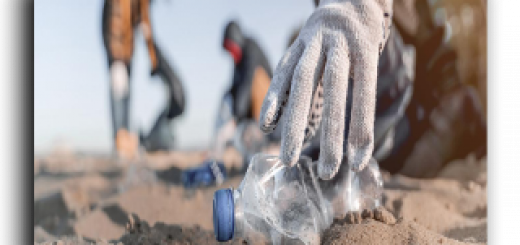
point(239, 214)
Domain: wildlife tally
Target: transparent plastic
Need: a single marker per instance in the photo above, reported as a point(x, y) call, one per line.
point(249, 139)
point(276, 204)
point(274, 201)
point(350, 191)
point(136, 175)
point(224, 128)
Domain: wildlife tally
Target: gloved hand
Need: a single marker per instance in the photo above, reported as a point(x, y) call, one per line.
point(341, 39)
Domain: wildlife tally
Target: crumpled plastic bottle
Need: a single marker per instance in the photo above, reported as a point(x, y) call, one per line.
point(351, 191)
point(209, 173)
point(276, 204)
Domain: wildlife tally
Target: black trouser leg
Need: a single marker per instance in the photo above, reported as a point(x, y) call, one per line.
point(161, 137)
point(177, 102)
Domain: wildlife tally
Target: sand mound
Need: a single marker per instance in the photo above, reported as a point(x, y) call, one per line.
point(139, 232)
point(380, 227)
point(375, 232)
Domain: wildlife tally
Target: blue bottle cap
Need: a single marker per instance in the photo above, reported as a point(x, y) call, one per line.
point(223, 215)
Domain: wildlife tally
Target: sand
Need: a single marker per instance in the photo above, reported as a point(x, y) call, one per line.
point(83, 199)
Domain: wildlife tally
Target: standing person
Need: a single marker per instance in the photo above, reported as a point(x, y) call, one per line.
point(119, 21)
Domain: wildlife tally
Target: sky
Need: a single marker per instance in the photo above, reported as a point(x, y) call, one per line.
point(71, 86)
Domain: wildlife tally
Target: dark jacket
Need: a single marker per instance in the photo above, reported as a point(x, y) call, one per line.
point(252, 57)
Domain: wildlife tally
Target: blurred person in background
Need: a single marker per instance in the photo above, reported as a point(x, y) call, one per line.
point(237, 117)
point(120, 19)
point(241, 104)
point(425, 114)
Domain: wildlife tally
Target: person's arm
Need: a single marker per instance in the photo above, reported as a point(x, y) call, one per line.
point(146, 27)
point(242, 82)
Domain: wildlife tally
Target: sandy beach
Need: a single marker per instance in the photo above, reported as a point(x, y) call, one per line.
point(82, 199)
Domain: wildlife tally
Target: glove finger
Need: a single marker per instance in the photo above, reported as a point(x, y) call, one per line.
point(304, 78)
point(335, 86)
point(361, 134)
point(278, 92)
point(316, 108)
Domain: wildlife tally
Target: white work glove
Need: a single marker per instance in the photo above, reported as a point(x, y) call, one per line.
point(341, 39)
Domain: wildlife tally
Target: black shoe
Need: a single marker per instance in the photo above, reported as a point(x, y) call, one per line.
point(160, 137)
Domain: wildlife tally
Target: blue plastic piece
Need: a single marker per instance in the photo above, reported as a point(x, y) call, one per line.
point(202, 175)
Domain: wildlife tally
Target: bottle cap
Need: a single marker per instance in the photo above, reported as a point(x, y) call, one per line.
point(223, 215)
